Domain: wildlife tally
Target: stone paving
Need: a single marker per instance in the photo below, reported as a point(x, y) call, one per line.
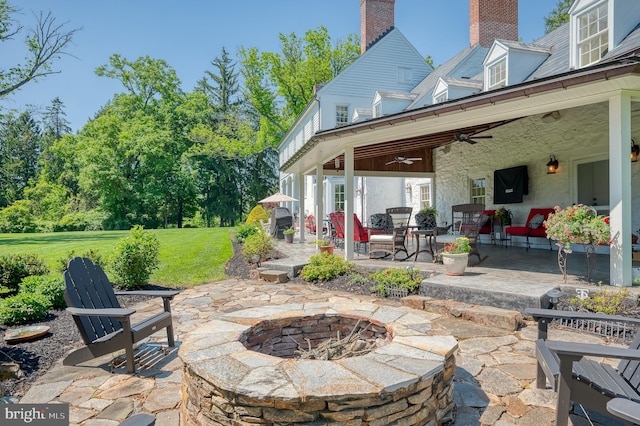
point(494, 382)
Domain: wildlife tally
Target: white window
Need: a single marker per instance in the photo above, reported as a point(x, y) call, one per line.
point(342, 115)
point(425, 196)
point(377, 110)
point(593, 35)
point(404, 75)
point(338, 196)
point(441, 97)
point(498, 74)
point(478, 191)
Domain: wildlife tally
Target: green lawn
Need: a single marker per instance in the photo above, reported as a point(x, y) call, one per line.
point(188, 257)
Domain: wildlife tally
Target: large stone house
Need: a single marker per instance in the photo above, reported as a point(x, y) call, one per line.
point(571, 96)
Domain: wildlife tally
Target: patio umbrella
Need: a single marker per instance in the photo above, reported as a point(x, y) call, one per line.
point(278, 197)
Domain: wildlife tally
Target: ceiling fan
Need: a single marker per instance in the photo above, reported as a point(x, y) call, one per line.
point(401, 159)
point(465, 137)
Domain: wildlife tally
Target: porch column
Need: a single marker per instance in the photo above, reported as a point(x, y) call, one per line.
point(349, 199)
point(301, 195)
point(319, 198)
point(620, 188)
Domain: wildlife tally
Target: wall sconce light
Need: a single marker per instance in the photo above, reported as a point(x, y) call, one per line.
point(407, 188)
point(635, 151)
point(552, 165)
point(337, 163)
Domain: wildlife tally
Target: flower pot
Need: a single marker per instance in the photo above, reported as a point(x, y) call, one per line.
point(634, 239)
point(288, 238)
point(455, 264)
point(328, 249)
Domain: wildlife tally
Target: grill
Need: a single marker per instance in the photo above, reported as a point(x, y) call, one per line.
point(281, 219)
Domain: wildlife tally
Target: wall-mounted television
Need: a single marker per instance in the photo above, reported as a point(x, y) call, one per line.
point(510, 185)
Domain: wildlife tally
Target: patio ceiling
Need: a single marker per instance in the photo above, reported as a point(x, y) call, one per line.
point(416, 132)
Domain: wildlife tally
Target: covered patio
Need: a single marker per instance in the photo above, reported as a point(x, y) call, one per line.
point(575, 116)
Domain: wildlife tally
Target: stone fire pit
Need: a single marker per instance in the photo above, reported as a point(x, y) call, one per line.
point(238, 367)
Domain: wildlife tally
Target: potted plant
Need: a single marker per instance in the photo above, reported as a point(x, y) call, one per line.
point(577, 224)
point(501, 219)
point(426, 218)
point(455, 256)
point(634, 237)
point(324, 246)
point(288, 234)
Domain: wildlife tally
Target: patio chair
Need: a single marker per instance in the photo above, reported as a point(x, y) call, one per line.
point(466, 221)
point(532, 228)
point(106, 327)
point(393, 243)
point(141, 419)
point(360, 234)
point(337, 220)
point(584, 381)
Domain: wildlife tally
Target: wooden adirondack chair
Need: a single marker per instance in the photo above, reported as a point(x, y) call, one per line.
point(105, 326)
point(584, 381)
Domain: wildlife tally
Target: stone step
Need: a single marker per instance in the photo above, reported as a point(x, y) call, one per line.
point(274, 275)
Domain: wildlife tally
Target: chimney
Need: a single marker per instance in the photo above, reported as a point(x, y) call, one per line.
point(493, 19)
point(376, 18)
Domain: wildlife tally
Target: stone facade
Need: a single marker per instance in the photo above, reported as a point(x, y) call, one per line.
point(407, 381)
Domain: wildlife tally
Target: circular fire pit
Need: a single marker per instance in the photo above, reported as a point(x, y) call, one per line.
point(240, 367)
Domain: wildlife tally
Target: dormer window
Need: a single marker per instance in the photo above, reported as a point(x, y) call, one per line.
point(498, 74)
point(377, 109)
point(593, 35)
point(442, 97)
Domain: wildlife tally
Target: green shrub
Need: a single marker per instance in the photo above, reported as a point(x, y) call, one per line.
point(609, 302)
point(245, 230)
point(17, 218)
point(81, 221)
point(135, 258)
point(15, 267)
point(23, 307)
point(324, 266)
point(51, 287)
point(257, 244)
point(257, 214)
point(395, 278)
point(91, 254)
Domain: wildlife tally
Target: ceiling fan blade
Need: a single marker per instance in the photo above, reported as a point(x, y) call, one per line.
point(482, 137)
point(470, 141)
point(390, 162)
point(414, 159)
point(407, 161)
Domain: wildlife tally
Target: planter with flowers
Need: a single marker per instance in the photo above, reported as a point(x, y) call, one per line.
point(455, 256)
point(288, 234)
point(577, 224)
point(500, 220)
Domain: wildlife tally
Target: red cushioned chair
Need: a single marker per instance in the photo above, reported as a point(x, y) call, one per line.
point(486, 222)
point(360, 234)
point(533, 228)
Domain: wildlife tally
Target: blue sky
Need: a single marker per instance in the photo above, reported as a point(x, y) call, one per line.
point(188, 34)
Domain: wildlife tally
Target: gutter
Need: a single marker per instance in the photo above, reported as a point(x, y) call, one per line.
point(606, 71)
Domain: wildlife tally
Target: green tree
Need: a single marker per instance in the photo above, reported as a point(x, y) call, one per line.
point(55, 122)
point(558, 16)
point(45, 43)
point(291, 75)
point(131, 152)
point(20, 148)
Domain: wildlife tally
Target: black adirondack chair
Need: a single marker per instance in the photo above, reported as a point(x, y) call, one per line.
point(142, 419)
point(584, 381)
point(105, 326)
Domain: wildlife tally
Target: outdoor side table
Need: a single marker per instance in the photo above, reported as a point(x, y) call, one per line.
point(428, 234)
